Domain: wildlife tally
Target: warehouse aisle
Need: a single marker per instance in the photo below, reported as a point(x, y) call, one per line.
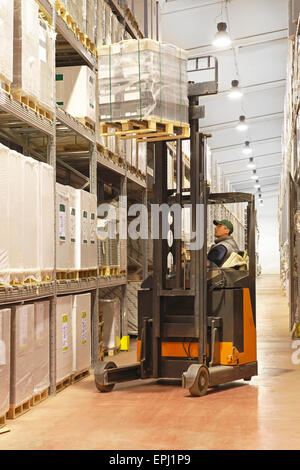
point(264, 414)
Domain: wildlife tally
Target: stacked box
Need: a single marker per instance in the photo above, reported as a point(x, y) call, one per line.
point(41, 371)
point(81, 332)
point(73, 236)
point(46, 220)
point(75, 91)
point(63, 243)
point(139, 79)
point(26, 70)
point(5, 318)
point(22, 354)
point(82, 230)
point(6, 40)
point(64, 341)
point(110, 309)
point(46, 65)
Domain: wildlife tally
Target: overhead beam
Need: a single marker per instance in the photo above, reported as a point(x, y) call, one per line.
point(253, 119)
point(238, 160)
point(247, 170)
point(248, 89)
point(233, 146)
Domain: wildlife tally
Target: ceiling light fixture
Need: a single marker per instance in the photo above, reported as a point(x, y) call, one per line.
point(242, 126)
point(254, 176)
point(251, 165)
point(247, 150)
point(235, 92)
point(222, 38)
point(257, 185)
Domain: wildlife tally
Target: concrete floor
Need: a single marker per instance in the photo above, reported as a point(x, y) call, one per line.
point(262, 414)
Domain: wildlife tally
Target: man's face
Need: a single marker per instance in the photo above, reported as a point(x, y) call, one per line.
point(221, 231)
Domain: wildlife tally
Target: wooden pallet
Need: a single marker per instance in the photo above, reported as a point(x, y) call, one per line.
point(80, 375)
point(109, 271)
point(112, 352)
point(2, 421)
point(4, 84)
point(32, 103)
point(62, 384)
point(18, 410)
point(88, 273)
point(145, 129)
point(87, 122)
point(39, 397)
point(72, 24)
point(76, 275)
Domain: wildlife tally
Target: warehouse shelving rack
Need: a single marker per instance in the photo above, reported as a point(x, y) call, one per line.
point(23, 126)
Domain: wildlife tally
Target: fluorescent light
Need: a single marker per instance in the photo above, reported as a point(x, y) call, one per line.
point(242, 126)
point(235, 92)
point(222, 38)
point(251, 165)
point(247, 150)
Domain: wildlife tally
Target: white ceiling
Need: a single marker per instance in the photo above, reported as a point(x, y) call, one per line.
point(258, 29)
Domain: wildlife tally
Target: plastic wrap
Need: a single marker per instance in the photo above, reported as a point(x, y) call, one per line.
point(132, 306)
point(64, 341)
point(111, 316)
point(5, 316)
point(31, 234)
point(46, 64)
point(26, 48)
point(16, 223)
point(75, 91)
point(90, 14)
point(143, 79)
point(46, 221)
point(6, 39)
point(81, 332)
point(108, 24)
point(22, 354)
point(41, 372)
point(73, 238)
point(100, 24)
point(5, 216)
point(77, 11)
point(63, 245)
point(82, 230)
point(142, 157)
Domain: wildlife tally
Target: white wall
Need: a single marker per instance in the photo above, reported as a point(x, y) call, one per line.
point(268, 247)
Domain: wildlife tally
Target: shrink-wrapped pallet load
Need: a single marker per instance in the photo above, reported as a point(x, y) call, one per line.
point(100, 30)
point(90, 18)
point(143, 79)
point(41, 370)
point(110, 309)
point(63, 244)
point(26, 48)
point(82, 230)
point(46, 65)
point(6, 40)
point(46, 221)
point(81, 318)
point(142, 158)
point(75, 91)
point(5, 215)
point(73, 237)
point(22, 354)
point(92, 235)
point(64, 341)
point(76, 9)
point(31, 219)
point(16, 224)
point(5, 319)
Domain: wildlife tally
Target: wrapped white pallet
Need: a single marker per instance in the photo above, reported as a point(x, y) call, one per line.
point(5, 315)
point(46, 64)
point(142, 157)
point(22, 354)
point(90, 21)
point(81, 318)
point(73, 236)
point(63, 245)
point(92, 235)
point(76, 9)
point(5, 216)
point(82, 230)
point(31, 233)
point(75, 91)
point(112, 327)
point(6, 40)
point(143, 79)
point(46, 221)
point(16, 224)
point(100, 30)
point(26, 48)
point(64, 341)
point(41, 371)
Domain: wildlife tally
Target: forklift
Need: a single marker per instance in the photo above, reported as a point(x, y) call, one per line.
point(195, 323)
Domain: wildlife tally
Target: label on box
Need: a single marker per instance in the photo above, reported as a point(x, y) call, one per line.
point(73, 224)
point(62, 222)
point(83, 328)
point(84, 227)
point(40, 323)
point(23, 328)
point(65, 333)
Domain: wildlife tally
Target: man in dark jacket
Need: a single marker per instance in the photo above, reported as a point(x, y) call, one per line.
point(224, 243)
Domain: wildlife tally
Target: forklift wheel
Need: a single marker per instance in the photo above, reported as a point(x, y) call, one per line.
point(99, 371)
point(200, 386)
